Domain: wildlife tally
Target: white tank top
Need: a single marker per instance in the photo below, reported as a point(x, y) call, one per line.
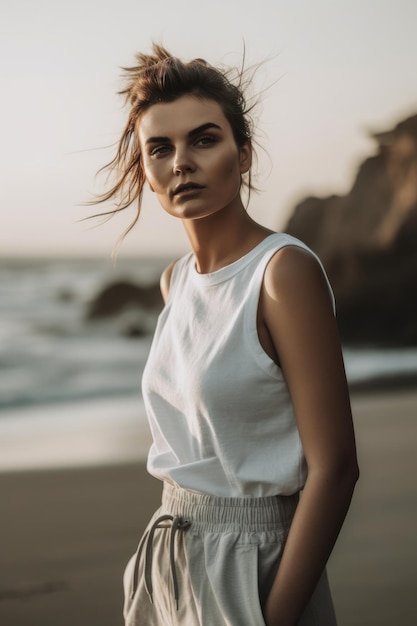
point(219, 409)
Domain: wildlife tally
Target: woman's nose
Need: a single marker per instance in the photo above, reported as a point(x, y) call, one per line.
point(183, 163)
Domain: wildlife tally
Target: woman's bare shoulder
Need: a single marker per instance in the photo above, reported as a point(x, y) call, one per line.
point(165, 280)
point(294, 268)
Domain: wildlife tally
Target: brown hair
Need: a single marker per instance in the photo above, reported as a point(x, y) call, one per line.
point(160, 77)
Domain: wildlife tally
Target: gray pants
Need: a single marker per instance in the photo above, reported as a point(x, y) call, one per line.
point(208, 561)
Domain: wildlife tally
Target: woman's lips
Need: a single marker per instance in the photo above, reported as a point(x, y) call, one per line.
point(187, 189)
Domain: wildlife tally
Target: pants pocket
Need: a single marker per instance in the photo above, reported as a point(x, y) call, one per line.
point(254, 586)
point(233, 576)
point(127, 585)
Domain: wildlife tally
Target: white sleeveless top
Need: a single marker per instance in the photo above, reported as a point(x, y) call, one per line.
point(219, 409)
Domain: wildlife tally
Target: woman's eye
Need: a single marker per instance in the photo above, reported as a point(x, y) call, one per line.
point(159, 150)
point(205, 140)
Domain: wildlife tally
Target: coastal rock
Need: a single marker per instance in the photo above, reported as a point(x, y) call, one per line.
point(367, 242)
point(135, 307)
point(120, 295)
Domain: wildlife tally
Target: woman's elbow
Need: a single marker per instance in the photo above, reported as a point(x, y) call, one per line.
point(350, 477)
point(339, 473)
point(348, 473)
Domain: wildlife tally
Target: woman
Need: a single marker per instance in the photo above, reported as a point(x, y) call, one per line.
point(244, 387)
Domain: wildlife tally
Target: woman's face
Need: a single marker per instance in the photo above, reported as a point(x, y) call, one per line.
point(190, 157)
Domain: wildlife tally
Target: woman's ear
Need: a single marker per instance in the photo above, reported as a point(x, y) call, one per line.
point(245, 157)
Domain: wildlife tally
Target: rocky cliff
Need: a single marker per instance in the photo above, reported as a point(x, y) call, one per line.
point(367, 240)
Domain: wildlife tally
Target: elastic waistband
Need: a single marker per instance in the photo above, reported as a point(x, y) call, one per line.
point(210, 513)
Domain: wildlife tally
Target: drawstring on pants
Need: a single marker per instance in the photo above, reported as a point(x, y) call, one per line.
point(178, 523)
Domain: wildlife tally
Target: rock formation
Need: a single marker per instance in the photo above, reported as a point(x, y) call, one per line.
point(135, 306)
point(367, 241)
point(117, 296)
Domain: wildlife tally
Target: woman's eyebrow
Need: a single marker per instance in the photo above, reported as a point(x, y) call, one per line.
point(202, 128)
point(192, 133)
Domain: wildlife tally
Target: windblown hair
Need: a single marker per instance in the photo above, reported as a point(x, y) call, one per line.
point(160, 77)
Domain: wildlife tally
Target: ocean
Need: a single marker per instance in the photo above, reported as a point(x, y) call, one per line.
point(56, 365)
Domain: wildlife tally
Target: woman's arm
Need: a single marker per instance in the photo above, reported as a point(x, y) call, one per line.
point(297, 311)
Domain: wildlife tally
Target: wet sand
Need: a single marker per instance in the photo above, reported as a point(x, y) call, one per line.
point(66, 534)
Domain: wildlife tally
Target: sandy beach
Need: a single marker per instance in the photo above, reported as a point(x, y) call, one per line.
point(66, 534)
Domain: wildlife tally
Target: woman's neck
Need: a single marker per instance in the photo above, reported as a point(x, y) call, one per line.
point(223, 238)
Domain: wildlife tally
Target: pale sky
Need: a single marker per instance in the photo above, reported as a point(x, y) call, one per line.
point(337, 70)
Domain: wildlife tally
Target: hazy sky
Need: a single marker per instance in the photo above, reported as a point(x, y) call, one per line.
point(337, 70)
